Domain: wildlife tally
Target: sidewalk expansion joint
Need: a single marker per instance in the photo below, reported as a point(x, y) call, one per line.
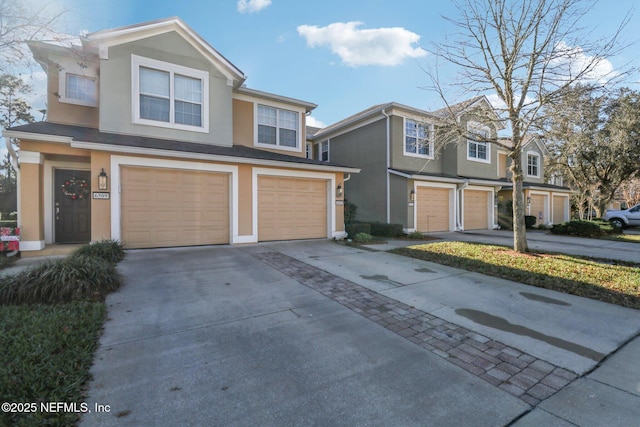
point(520, 374)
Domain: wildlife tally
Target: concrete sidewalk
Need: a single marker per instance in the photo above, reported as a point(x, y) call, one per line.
point(592, 339)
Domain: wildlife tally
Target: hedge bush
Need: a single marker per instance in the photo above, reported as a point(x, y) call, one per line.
point(386, 230)
point(362, 238)
point(111, 251)
point(354, 228)
point(88, 274)
point(69, 279)
point(586, 229)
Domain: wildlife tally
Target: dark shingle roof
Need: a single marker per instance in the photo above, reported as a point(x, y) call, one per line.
point(85, 134)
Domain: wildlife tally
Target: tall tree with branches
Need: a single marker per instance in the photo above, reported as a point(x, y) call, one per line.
point(594, 140)
point(527, 53)
point(14, 110)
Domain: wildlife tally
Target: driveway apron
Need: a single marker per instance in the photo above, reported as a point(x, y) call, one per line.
point(216, 336)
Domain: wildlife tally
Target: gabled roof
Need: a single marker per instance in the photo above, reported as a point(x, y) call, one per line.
point(84, 137)
point(468, 106)
point(308, 106)
point(101, 41)
point(371, 112)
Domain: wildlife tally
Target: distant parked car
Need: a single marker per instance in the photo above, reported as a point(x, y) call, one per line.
point(623, 218)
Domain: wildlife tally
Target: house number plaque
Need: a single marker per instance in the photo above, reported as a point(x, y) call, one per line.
point(101, 195)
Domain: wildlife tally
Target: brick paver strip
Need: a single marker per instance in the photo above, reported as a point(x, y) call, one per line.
point(520, 374)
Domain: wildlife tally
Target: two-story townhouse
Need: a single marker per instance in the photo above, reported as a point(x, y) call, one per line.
point(408, 177)
point(153, 139)
point(545, 197)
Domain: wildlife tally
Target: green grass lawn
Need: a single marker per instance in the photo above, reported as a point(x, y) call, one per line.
point(47, 351)
point(616, 284)
point(631, 238)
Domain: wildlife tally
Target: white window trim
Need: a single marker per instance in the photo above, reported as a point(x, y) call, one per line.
point(328, 142)
point(140, 61)
point(62, 79)
point(308, 153)
point(429, 156)
point(299, 146)
point(478, 127)
point(533, 154)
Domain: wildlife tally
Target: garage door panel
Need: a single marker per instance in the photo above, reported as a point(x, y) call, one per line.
point(291, 208)
point(537, 207)
point(476, 210)
point(167, 207)
point(432, 209)
point(558, 209)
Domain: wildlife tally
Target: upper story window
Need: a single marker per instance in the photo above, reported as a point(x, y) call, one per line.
point(309, 151)
point(278, 127)
point(80, 90)
point(323, 153)
point(533, 165)
point(477, 149)
point(418, 140)
point(169, 95)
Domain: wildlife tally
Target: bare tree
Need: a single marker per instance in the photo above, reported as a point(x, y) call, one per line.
point(526, 52)
point(22, 21)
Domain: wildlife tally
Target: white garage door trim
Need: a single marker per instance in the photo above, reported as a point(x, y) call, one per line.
point(490, 206)
point(452, 202)
point(331, 198)
point(565, 205)
point(545, 208)
point(117, 161)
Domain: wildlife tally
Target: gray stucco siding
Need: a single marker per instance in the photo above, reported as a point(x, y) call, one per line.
point(400, 212)
point(532, 147)
point(399, 160)
point(364, 148)
point(116, 90)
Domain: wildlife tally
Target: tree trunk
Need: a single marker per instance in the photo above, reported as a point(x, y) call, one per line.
point(517, 178)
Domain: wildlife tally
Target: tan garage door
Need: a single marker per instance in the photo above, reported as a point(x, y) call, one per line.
point(558, 209)
point(432, 209)
point(291, 208)
point(537, 208)
point(170, 207)
point(476, 210)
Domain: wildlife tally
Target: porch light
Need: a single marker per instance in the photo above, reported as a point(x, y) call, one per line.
point(412, 196)
point(102, 180)
point(339, 191)
point(529, 201)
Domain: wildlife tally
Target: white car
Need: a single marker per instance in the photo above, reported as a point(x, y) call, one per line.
point(623, 218)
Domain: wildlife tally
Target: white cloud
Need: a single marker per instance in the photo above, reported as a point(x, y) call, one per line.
point(571, 61)
point(501, 106)
point(313, 122)
point(251, 6)
point(355, 46)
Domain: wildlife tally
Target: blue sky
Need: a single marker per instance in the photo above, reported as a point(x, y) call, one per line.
point(327, 52)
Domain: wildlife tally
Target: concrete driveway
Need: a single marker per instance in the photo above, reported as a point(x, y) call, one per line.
point(316, 333)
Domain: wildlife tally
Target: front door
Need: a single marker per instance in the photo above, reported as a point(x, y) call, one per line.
point(72, 206)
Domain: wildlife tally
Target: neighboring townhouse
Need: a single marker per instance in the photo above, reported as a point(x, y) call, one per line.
point(407, 178)
point(547, 200)
point(152, 138)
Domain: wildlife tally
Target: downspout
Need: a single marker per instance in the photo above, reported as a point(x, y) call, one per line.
point(459, 190)
point(15, 164)
point(384, 113)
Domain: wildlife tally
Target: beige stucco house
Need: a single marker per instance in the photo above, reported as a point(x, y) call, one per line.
point(153, 139)
point(408, 177)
